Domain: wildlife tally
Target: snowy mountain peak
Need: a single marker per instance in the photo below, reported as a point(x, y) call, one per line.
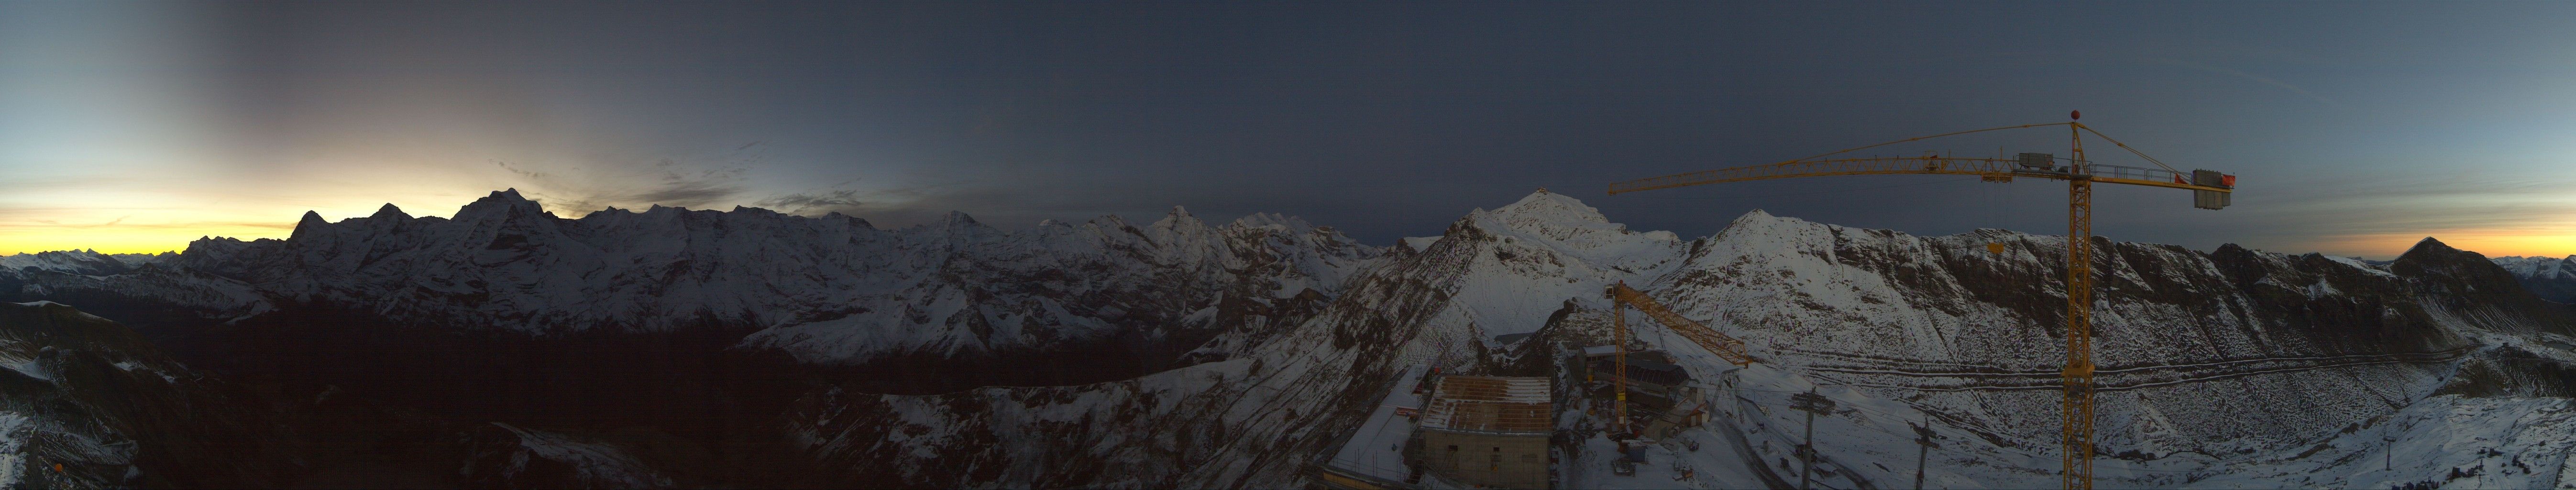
point(1544, 205)
point(1763, 226)
point(957, 223)
point(389, 211)
point(1179, 220)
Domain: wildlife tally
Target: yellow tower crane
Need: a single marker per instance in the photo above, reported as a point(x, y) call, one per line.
point(2211, 190)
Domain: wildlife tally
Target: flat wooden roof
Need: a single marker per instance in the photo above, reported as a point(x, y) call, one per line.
point(1491, 404)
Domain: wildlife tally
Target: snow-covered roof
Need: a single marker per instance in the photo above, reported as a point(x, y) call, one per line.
point(1490, 404)
point(1376, 449)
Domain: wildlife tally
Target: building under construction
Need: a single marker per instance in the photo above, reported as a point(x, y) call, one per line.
point(1441, 431)
point(1375, 456)
point(1490, 431)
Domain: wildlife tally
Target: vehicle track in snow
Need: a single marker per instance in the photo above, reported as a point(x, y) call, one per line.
point(2125, 378)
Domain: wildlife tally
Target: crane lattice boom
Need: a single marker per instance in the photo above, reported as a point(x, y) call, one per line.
point(1722, 345)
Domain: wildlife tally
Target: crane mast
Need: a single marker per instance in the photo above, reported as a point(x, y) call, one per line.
point(2211, 190)
point(2077, 406)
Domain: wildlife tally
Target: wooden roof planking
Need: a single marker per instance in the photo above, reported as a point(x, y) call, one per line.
point(1491, 404)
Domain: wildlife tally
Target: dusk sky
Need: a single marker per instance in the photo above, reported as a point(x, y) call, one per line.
point(2355, 128)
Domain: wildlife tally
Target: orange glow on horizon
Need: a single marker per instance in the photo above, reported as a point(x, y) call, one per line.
point(155, 220)
point(2490, 243)
point(133, 239)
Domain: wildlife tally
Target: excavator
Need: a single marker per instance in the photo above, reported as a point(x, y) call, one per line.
point(2210, 190)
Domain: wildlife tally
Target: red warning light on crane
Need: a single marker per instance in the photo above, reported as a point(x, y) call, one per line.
point(2074, 114)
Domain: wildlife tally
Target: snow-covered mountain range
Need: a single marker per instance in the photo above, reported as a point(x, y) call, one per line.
point(2231, 367)
point(2552, 279)
point(831, 289)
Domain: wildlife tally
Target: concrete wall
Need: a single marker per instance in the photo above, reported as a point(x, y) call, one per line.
point(1507, 461)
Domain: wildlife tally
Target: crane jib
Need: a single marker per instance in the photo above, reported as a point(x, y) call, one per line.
point(2197, 180)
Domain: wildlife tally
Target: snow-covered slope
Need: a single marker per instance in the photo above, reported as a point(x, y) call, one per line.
point(2552, 279)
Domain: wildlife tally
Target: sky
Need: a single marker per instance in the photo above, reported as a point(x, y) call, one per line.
point(2354, 128)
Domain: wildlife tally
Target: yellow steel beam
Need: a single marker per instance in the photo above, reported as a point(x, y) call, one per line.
point(1718, 343)
point(1955, 133)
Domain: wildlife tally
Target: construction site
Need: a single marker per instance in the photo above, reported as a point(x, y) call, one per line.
point(1627, 395)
